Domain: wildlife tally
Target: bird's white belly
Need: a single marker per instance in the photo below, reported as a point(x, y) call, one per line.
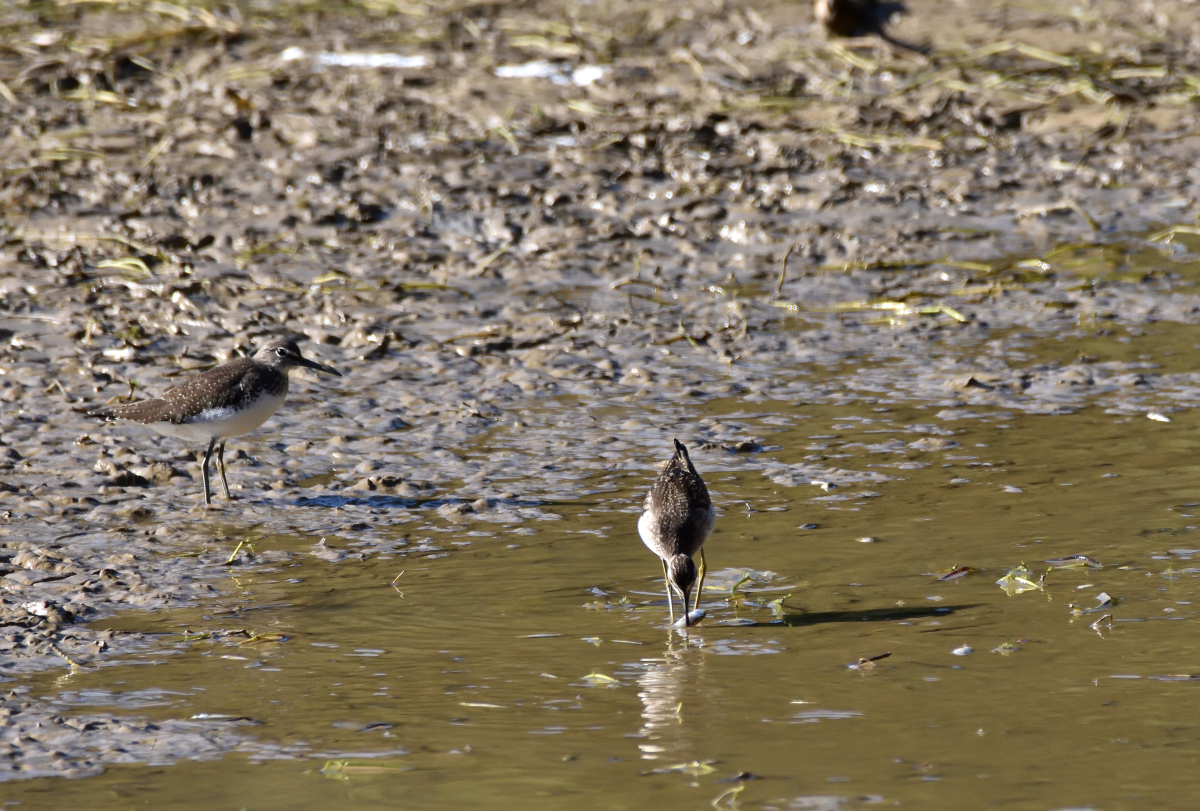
point(712, 520)
point(222, 423)
point(650, 537)
point(646, 531)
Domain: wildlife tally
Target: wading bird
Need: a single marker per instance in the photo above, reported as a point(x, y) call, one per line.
point(231, 400)
point(677, 518)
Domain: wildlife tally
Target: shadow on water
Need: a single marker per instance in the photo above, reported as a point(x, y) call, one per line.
point(337, 501)
point(800, 620)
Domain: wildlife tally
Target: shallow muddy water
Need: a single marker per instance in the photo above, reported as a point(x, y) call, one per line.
point(507, 668)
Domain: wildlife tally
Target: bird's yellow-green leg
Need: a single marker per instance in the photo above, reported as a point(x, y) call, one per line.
point(670, 601)
point(221, 467)
point(700, 581)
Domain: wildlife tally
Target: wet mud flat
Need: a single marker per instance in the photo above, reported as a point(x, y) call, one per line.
point(540, 240)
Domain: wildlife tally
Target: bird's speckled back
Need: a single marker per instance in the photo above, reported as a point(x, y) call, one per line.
point(680, 504)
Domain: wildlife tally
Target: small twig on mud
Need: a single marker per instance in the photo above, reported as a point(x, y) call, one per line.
point(637, 276)
point(783, 269)
point(1064, 205)
point(687, 336)
point(486, 262)
point(57, 384)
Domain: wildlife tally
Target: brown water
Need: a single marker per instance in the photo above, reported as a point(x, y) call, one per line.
point(533, 669)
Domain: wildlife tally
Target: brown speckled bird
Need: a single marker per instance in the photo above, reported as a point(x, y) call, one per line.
point(676, 520)
point(230, 400)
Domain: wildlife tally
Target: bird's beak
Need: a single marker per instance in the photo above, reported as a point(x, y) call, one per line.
point(687, 617)
point(320, 367)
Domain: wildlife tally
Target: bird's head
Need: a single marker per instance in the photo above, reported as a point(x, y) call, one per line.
point(681, 574)
point(283, 354)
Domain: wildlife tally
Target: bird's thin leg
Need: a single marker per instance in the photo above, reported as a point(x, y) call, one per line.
point(204, 471)
point(221, 467)
point(670, 601)
point(700, 582)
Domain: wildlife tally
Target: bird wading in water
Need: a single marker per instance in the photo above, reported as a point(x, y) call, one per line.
point(676, 520)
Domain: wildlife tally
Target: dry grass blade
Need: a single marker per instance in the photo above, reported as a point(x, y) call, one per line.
point(783, 270)
point(130, 264)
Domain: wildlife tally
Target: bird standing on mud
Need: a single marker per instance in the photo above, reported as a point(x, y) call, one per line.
point(228, 401)
point(676, 520)
point(857, 18)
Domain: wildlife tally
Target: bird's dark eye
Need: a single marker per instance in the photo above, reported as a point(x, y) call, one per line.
point(281, 352)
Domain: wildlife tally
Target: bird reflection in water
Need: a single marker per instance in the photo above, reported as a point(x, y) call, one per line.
point(671, 688)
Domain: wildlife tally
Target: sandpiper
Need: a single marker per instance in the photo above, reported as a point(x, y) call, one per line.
point(856, 18)
point(677, 518)
point(230, 400)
